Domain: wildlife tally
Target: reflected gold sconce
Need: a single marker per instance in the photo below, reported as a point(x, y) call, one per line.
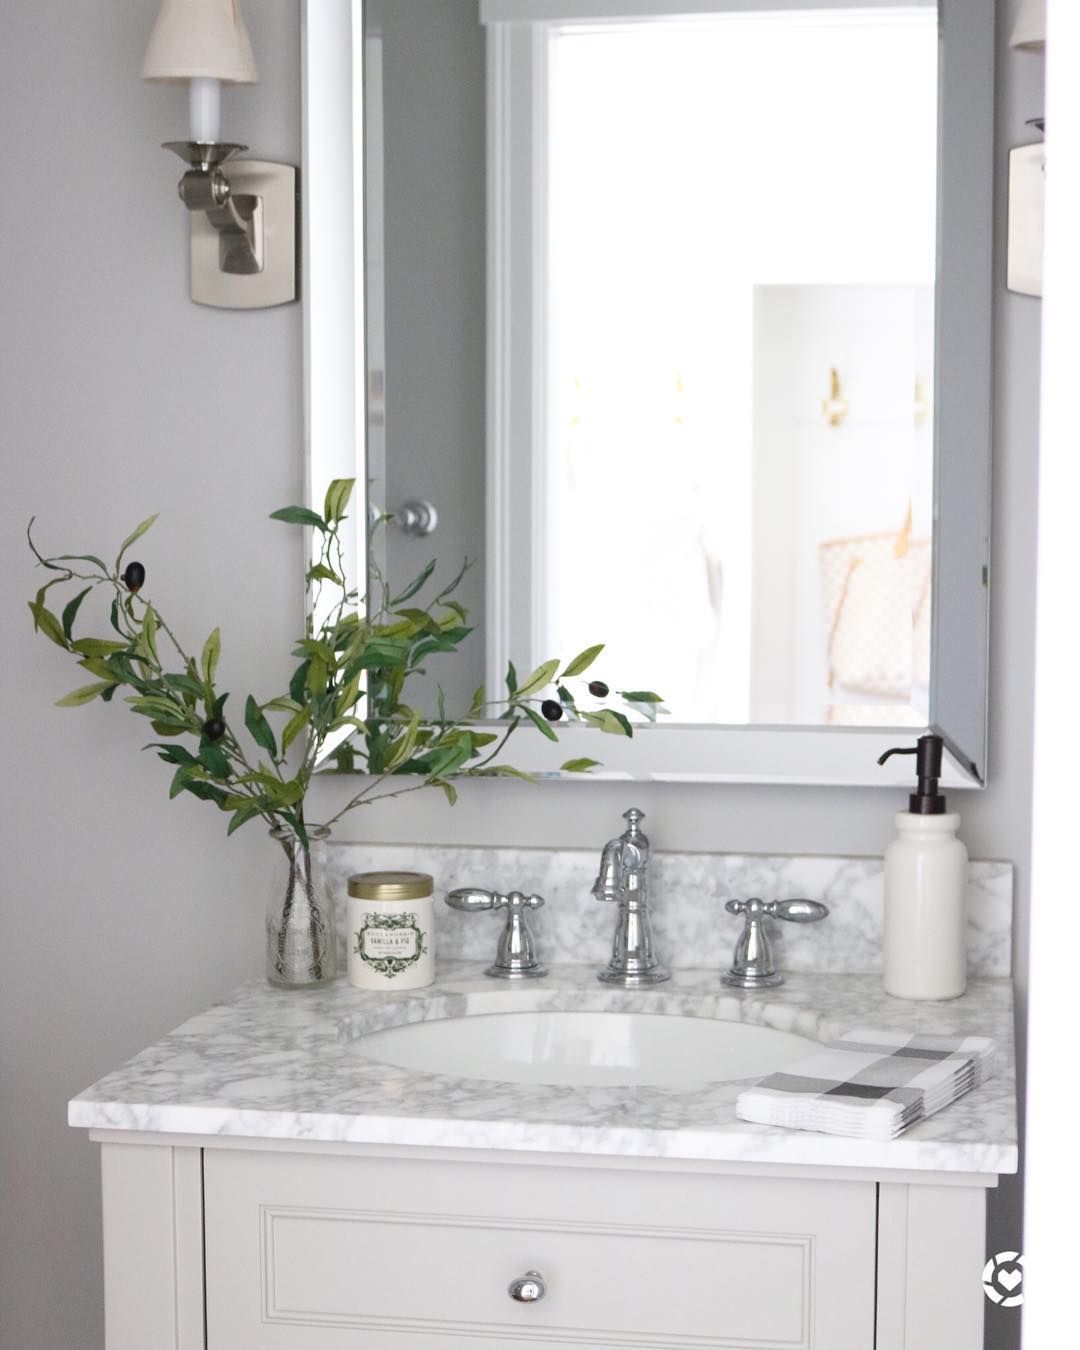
point(679, 413)
point(922, 403)
point(835, 407)
point(243, 217)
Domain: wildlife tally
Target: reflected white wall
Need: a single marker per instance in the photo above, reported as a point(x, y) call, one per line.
point(690, 164)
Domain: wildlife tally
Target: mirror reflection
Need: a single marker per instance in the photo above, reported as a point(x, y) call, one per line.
point(708, 301)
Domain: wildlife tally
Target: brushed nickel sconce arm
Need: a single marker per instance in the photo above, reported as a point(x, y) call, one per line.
point(243, 225)
point(236, 218)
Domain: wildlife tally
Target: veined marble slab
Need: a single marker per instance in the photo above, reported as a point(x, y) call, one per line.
point(269, 1064)
point(688, 891)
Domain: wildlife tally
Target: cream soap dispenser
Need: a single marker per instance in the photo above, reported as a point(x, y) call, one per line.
point(925, 889)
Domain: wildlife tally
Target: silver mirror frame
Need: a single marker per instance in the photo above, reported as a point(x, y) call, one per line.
point(334, 351)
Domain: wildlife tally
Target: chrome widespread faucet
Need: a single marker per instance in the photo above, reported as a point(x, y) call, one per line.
point(624, 878)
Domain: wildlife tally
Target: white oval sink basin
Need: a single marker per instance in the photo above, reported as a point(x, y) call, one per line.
point(582, 1049)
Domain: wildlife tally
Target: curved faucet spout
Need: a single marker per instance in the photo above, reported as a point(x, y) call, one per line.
point(623, 877)
point(609, 880)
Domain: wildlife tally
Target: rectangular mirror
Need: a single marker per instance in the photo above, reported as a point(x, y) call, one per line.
point(673, 318)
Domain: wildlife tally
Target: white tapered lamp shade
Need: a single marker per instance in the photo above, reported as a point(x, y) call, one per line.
point(200, 39)
point(206, 42)
point(1030, 32)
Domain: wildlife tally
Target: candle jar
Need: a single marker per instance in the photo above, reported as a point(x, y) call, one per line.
point(391, 921)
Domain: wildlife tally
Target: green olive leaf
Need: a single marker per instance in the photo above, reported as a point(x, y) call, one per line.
point(149, 631)
point(97, 647)
point(294, 727)
point(583, 661)
point(45, 621)
point(299, 515)
point(502, 771)
point(317, 676)
point(86, 694)
point(541, 676)
point(614, 723)
point(136, 533)
point(579, 765)
point(415, 585)
point(289, 705)
point(94, 665)
point(449, 590)
point(256, 723)
point(215, 760)
point(185, 684)
point(241, 816)
point(540, 723)
point(172, 754)
point(67, 618)
point(320, 572)
point(337, 499)
point(210, 653)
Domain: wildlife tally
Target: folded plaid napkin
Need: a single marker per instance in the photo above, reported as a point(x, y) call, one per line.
point(870, 1084)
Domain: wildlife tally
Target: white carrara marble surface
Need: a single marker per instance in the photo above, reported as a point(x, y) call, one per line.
point(268, 1064)
point(687, 892)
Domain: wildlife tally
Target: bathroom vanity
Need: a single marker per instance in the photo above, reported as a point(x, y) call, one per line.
point(271, 1179)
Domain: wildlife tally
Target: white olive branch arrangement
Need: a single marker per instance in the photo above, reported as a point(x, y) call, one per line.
point(346, 661)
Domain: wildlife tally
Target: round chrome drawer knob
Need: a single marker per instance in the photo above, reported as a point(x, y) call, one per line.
point(527, 1288)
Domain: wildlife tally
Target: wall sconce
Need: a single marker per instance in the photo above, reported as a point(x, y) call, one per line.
point(1029, 35)
point(243, 217)
point(1027, 172)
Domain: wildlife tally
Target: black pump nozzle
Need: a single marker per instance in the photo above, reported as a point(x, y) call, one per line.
point(927, 801)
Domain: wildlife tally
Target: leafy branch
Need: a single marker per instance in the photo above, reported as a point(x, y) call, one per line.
point(347, 662)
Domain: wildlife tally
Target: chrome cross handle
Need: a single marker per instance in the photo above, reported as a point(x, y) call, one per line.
point(516, 956)
point(753, 966)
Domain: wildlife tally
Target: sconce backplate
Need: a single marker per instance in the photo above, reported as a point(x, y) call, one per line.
point(274, 185)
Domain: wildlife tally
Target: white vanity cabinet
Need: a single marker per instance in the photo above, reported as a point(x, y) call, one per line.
point(246, 1245)
point(269, 1185)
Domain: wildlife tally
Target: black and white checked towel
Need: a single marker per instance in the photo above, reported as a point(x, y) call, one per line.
point(869, 1084)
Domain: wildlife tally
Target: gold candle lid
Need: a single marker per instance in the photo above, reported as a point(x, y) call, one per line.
point(391, 886)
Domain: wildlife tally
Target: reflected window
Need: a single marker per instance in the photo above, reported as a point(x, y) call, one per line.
point(737, 304)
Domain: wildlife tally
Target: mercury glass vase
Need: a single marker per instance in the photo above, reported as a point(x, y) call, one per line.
point(301, 939)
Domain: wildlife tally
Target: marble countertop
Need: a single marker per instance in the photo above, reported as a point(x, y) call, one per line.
point(268, 1064)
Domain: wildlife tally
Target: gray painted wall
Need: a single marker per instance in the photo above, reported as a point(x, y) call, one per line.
point(124, 912)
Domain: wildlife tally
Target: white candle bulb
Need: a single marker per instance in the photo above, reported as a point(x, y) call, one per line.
point(205, 103)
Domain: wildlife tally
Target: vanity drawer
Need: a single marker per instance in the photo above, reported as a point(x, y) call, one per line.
point(317, 1252)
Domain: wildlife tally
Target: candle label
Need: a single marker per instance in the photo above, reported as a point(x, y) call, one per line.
point(390, 943)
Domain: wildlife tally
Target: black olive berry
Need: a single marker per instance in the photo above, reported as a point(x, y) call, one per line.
point(134, 575)
point(598, 689)
point(214, 729)
point(551, 710)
